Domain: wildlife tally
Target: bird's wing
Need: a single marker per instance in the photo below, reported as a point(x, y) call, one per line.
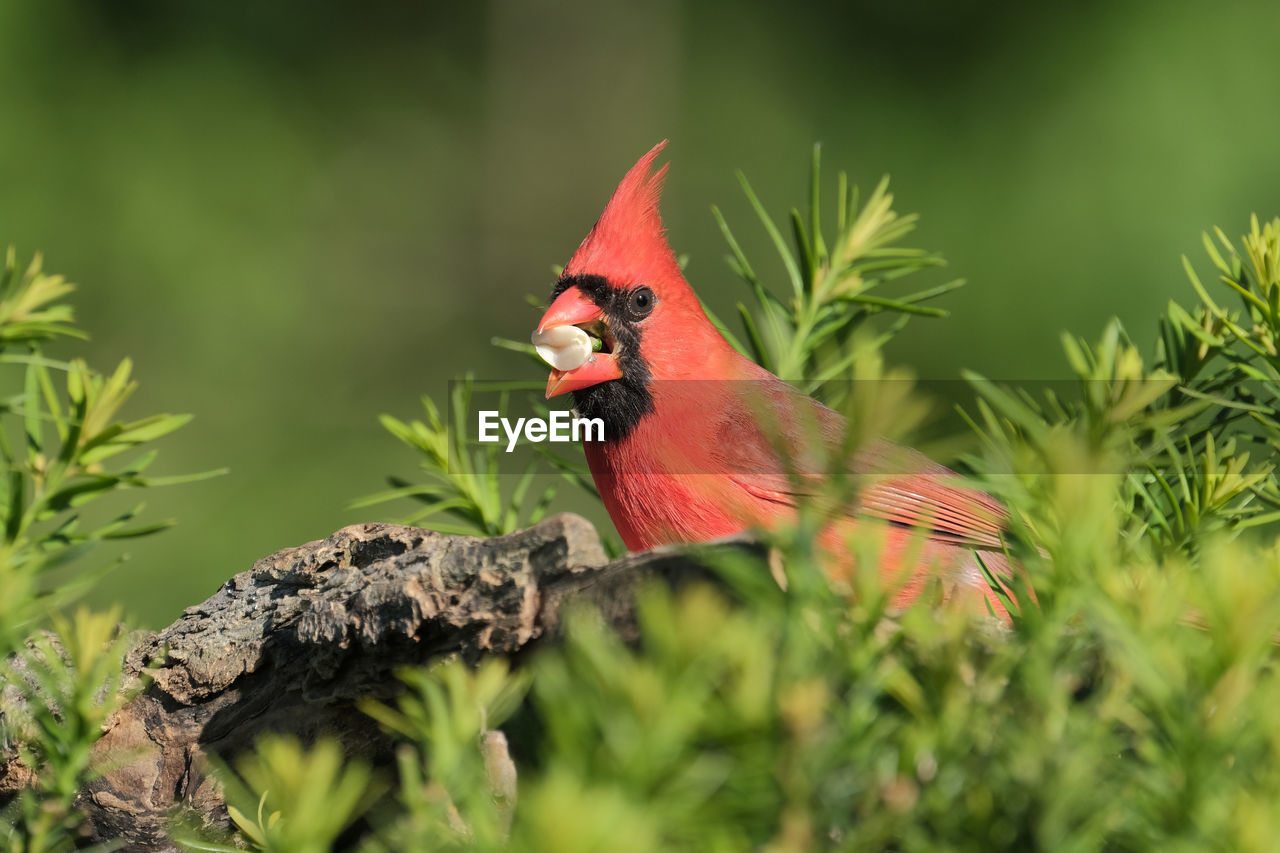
point(950, 513)
point(899, 486)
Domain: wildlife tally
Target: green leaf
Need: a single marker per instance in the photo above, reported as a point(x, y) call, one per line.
point(793, 271)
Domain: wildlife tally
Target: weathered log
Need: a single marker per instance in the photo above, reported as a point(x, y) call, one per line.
point(291, 644)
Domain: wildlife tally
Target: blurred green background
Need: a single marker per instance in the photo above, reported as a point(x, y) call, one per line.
point(297, 215)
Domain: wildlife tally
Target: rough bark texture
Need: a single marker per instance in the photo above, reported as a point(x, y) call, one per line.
point(290, 644)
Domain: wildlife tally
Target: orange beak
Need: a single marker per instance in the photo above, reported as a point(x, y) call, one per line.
point(572, 308)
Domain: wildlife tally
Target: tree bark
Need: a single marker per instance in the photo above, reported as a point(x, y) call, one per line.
point(289, 645)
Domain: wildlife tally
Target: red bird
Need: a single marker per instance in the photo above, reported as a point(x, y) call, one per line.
point(688, 454)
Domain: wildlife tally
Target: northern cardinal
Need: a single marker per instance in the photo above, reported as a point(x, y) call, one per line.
point(687, 456)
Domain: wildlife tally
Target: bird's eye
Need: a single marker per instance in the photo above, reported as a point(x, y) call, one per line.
point(640, 302)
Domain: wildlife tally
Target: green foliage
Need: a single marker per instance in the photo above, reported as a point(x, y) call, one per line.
point(808, 336)
point(72, 452)
point(450, 792)
point(61, 689)
point(29, 306)
point(464, 483)
point(286, 798)
point(1186, 432)
point(797, 721)
point(62, 451)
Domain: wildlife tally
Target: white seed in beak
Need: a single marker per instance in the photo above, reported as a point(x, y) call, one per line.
point(563, 347)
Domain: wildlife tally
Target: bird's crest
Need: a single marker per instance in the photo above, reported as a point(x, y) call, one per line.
point(627, 244)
